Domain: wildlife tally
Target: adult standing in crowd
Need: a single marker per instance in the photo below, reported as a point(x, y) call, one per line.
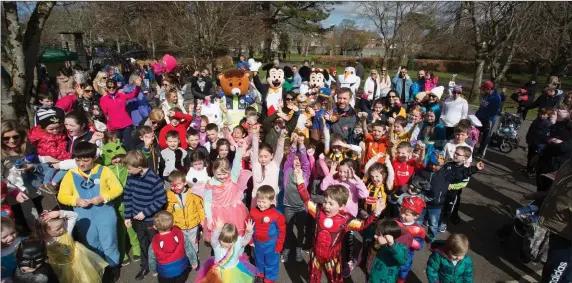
point(548, 99)
point(455, 108)
point(487, 114)
point(555, 217)
point(402, 83)
point(23, 183)
point(345, 118)
point(65, 82)
point(360, 70)
point(419, 84)
point(384, 78)
point(372, 91)
point(297, 80)
point(563, 109)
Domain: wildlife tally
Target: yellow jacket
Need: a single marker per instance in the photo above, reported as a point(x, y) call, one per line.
point(110, 187)
point(189, 216)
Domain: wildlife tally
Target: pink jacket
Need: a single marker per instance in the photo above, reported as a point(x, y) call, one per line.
point(113, 107)
point(357, 190)
point(430, 84)
point(268, 175)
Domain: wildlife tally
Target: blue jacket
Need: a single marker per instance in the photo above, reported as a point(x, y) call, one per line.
point(417, 86)
point(137, 107)
point(241, 63)
point(297, 81)
point(490, 106)
point(397, 85)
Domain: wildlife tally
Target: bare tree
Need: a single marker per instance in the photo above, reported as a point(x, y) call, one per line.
point(19, 55)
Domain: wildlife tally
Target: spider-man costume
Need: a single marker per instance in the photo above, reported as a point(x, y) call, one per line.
point(328, 237)
point(269, 234)
point(416, 231)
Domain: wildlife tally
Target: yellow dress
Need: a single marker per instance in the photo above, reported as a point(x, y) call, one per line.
point(73, 262)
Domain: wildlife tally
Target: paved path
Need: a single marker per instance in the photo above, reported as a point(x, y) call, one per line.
point(482, 213)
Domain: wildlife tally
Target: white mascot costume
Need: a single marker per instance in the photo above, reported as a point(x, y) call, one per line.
point(350, 80)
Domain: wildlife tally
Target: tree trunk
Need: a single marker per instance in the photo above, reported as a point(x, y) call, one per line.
point(477, 77)
point(13, 40)
point(267, 48)
point(506, 65)
point(31, 44)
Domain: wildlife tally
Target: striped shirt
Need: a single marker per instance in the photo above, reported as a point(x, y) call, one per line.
point(144, 193)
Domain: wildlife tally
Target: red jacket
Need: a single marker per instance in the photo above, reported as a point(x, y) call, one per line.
point(66, 103)
point(48, 144)
point(181, 129)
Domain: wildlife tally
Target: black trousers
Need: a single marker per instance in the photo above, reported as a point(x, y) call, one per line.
point(178, 279)
point(485, 131)
point(145, 233)
point(530, 154)
point(23, 211)
point(298, 219)
point(451, 206)
point(558, 267)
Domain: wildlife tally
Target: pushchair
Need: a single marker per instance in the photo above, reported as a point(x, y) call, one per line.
point(533, 239)
point(506, 136)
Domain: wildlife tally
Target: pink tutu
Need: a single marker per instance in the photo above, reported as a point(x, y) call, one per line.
point(243, 272)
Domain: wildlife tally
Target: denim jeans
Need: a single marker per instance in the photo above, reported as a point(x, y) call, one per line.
point(49, 175)
point(434, 215)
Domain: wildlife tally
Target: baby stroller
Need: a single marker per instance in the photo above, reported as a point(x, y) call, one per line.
point(506, 136)
point(533, 239)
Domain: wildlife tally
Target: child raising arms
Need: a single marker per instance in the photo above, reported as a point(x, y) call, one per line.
point(265, 163)
point(228, 264)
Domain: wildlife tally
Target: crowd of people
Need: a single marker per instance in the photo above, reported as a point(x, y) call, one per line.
point(145, 164)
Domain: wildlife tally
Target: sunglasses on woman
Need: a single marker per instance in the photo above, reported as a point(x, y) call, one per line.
point(289, 98)
point(111, 87)
point(8, 138)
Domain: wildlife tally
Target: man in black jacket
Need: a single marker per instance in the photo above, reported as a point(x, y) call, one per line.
point(548, 99)
point(201, 84)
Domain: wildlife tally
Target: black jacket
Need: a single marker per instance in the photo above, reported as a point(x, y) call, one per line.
point(198, 91)
point(545, 101)
point(440, 181)
point(538, 132)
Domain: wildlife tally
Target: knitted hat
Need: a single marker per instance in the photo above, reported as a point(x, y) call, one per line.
point(437, 91)
point(420, 95)
point(415, 204)
point(332, 69)
point(50, 116)
point(487, 85)
point(457, 88)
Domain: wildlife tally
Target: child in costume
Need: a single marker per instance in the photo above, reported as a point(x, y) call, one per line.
point(187, 208)
point(171, 251)
point(113, 154)
point(265, 163)
point(269, 234)
point(10, 242)
point(90, 189)
point(411, 208)
point(32, 266)
point(449, 261)
point(223, 194)
point(390, 252)
point(357, 190)
point(71, 261)
point(332, 223)
point(228, 264)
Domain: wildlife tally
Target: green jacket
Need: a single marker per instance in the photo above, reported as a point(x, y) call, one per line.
point(388, 260)
point(441, 269)
point(121, 172)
